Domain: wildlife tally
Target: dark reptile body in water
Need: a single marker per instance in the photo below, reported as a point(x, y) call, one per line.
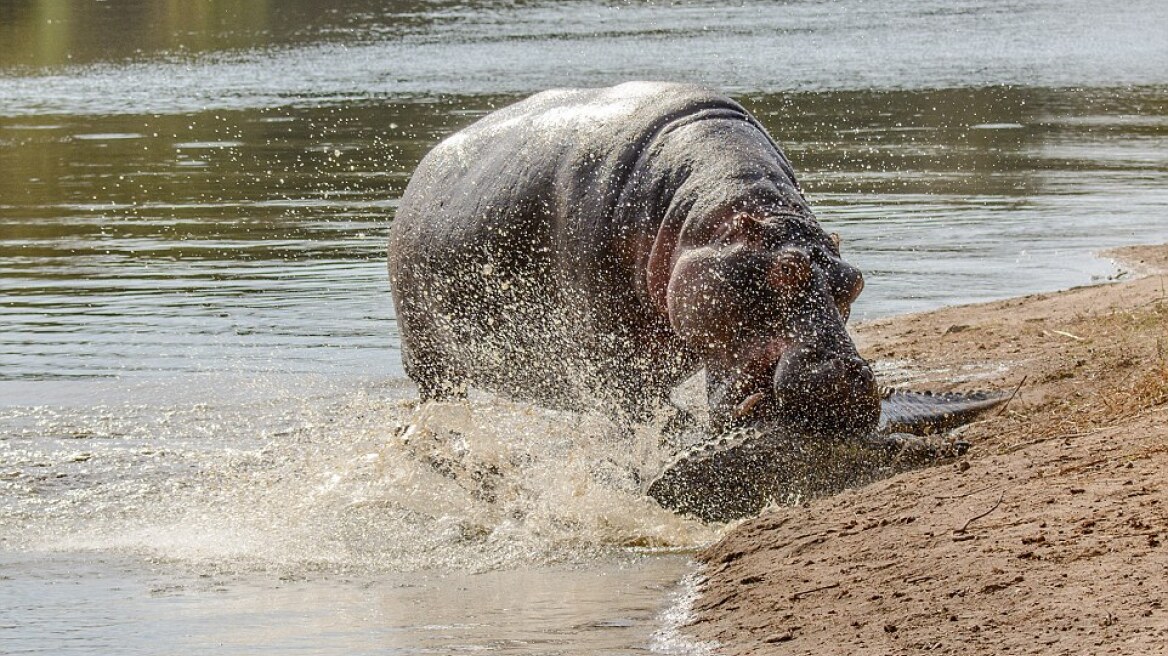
point(739, 473)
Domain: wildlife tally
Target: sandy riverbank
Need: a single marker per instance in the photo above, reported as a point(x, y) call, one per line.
point(1050, 536)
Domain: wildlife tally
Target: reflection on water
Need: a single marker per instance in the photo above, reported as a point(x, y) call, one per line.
point(253, 240)
point(216, 241)
point(37, 34)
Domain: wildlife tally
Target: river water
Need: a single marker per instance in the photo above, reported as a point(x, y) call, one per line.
point(202, 408)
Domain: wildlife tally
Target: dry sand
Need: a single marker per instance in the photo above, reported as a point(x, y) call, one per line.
point(1049, 537)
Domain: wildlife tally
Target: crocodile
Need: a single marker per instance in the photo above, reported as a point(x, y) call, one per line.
point(741, 471)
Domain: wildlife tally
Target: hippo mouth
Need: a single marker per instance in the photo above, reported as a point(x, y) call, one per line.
point(815, 393)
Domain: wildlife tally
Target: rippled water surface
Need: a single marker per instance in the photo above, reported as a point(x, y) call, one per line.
point(203, 416)
point(252, 240)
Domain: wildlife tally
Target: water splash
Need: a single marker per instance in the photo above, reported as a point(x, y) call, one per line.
point(350, 480)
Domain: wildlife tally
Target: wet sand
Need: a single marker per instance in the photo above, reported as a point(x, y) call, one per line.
point(1048, 537)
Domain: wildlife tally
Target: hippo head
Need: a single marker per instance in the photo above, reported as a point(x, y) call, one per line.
point(763, 302)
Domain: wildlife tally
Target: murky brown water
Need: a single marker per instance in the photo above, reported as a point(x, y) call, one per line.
point(199, 374)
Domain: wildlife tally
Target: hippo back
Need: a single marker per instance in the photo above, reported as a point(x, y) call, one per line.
point(564, 156)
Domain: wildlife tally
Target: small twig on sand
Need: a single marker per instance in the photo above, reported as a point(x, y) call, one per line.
point(1012, 395)
point(821, 588)
point(962, 496)
point(1155, 301)
point(977, 517)
point(1072, 336)
point(1068, 436)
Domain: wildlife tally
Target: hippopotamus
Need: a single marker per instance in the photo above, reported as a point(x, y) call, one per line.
point(595, 247)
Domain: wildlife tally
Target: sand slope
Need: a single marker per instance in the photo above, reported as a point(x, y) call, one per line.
point(1049, 537)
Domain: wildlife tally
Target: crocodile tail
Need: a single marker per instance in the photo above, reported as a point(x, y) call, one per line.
point(929, 413)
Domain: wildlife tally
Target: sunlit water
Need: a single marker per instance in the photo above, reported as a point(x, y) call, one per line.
point(203, 418)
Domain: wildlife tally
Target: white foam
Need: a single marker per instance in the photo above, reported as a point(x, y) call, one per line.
point(670, 638)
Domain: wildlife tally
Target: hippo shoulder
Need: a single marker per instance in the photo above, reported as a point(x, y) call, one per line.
point(563, 119)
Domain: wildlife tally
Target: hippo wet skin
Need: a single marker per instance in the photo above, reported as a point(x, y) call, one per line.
point(591, 247)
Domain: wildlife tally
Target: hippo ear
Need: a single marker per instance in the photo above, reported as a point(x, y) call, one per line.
point(835, 241)
point(791, 270)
